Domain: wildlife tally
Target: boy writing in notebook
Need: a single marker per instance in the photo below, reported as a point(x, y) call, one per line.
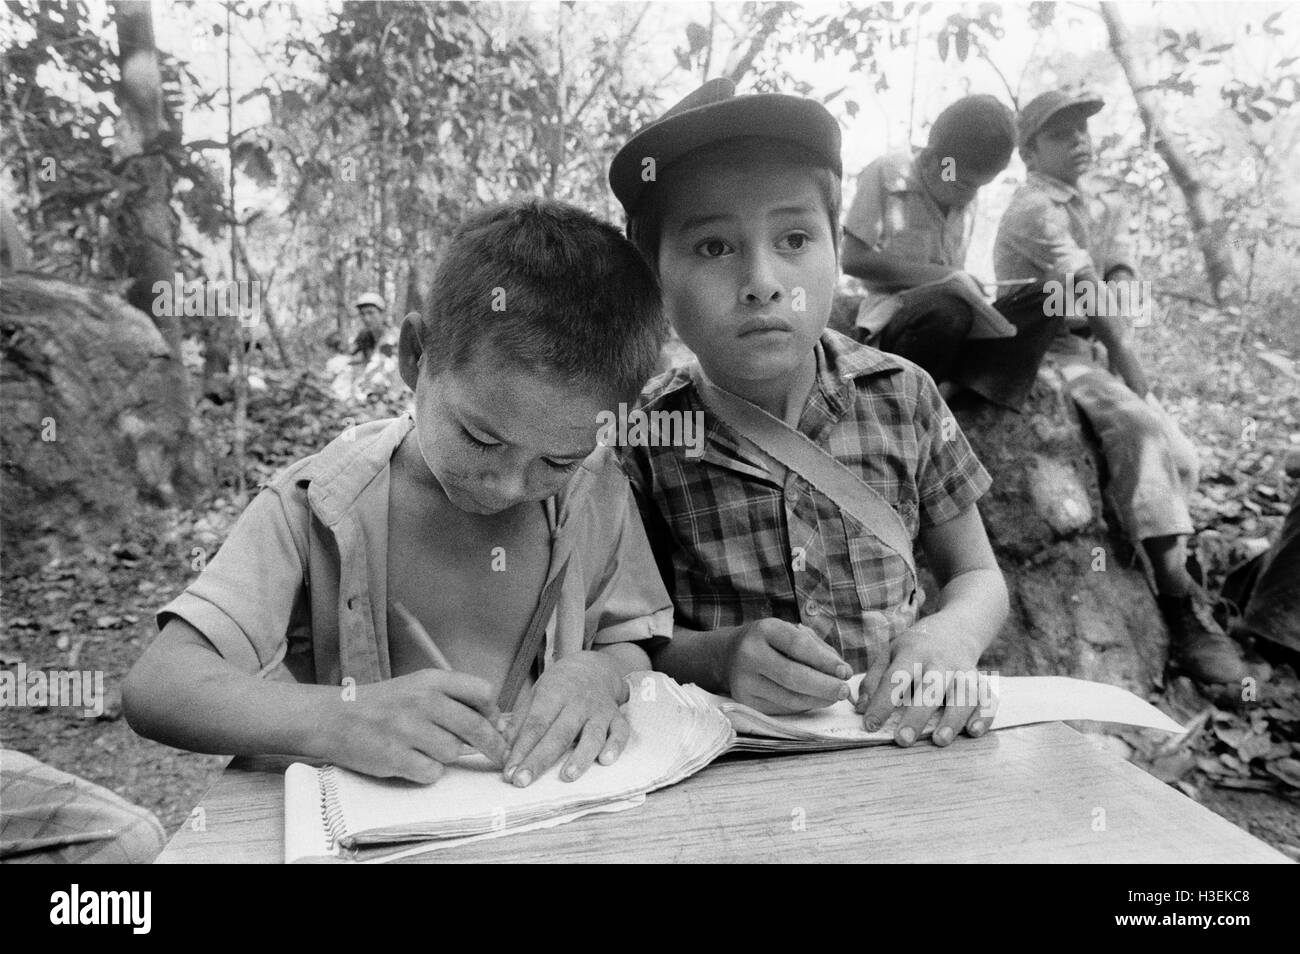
point(779, 594)
point(488, 513)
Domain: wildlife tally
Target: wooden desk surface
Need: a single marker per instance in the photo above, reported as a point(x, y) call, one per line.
point(1034, 794)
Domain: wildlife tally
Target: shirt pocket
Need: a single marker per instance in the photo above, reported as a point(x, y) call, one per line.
point(889, 597)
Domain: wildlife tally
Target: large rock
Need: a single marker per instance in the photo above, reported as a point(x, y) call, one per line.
point(96, 418)
point(1080, 604)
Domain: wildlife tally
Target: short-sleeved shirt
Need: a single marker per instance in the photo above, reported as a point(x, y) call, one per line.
point(738, 538)
point(893, 212)
point(1052, 229)
point(301, 580)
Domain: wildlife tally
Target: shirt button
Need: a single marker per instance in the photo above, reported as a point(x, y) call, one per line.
point(791, 494)
point(812, 608)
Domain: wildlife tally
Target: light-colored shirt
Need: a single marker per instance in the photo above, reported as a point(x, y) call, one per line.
point(893, 212)
point(300, 583)
point(1052, 229)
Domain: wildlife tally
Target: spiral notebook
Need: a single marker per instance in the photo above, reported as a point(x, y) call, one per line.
point(333, 813)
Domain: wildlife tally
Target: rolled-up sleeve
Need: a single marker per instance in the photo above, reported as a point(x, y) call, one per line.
point(628, 601)
point(246, 598)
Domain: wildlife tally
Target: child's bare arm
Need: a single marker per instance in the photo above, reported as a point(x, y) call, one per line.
point(183, 693)
point(972, 608)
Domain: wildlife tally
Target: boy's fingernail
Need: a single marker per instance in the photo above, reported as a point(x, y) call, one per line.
point(523, 778)
point(844, 672)
point(570, 772)
point(873, 724)
point(977, 727)
point(510, 772)
point(844, 691)
point(906, 736)
point(944, 735)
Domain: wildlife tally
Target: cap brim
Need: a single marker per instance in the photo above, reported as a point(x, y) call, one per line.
point(802, 122)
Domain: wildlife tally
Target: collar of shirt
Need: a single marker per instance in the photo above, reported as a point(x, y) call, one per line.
point(1054, 188)
point(840, 362)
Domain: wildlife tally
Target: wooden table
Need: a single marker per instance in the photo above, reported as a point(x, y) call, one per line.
point(1034, 794)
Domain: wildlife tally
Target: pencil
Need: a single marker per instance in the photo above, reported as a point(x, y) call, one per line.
point(421, 636)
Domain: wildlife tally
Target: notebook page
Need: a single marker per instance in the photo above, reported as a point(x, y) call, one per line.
point(1022, 700)
point(667, 736)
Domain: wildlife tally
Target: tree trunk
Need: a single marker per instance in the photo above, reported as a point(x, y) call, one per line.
point(1207, 227)
point(149, 226)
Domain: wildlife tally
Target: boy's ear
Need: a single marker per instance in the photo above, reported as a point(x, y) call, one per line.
point(409, 350)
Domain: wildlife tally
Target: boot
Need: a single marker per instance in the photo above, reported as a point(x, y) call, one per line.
point(1199, 646)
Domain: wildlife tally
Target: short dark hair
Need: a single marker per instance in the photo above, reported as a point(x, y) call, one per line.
point(645, 224)
point(549, 287)
point(978, 132)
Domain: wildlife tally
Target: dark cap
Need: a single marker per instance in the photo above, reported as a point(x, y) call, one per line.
point(712, 114)
point(1043, 107)
point(979, 130)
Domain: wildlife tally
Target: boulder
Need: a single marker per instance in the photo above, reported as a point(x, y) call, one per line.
point(97, 418)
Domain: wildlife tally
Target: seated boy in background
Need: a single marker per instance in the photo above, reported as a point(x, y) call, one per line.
point(910, 224)
point(1071, 242)
point(488, 512)
point(779, 596)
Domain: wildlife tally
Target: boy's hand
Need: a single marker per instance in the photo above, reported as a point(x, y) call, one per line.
point(577, 698)
point(941, 656)
point(412, 726)
point(777, 667)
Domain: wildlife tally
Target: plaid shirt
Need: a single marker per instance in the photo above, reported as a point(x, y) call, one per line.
point(738, 539)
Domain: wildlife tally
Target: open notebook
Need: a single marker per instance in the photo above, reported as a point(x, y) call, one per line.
point(676, 731)
point(989, 322)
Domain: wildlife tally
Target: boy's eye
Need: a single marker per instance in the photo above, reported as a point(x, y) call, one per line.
point(475, 442)
point(712, 248)
point(796, 241)
point(562, 466)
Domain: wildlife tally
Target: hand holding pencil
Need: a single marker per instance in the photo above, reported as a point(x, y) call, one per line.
point(414, 725)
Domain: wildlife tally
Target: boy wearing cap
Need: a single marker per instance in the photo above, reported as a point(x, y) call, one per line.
point(370, 309)
point(910, 225)
point(1065, 239)
point(779, 595)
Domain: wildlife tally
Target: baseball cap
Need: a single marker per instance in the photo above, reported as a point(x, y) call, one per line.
point(371, 298)
point(979, 130)
point(1046, 105)
point(714, 113)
